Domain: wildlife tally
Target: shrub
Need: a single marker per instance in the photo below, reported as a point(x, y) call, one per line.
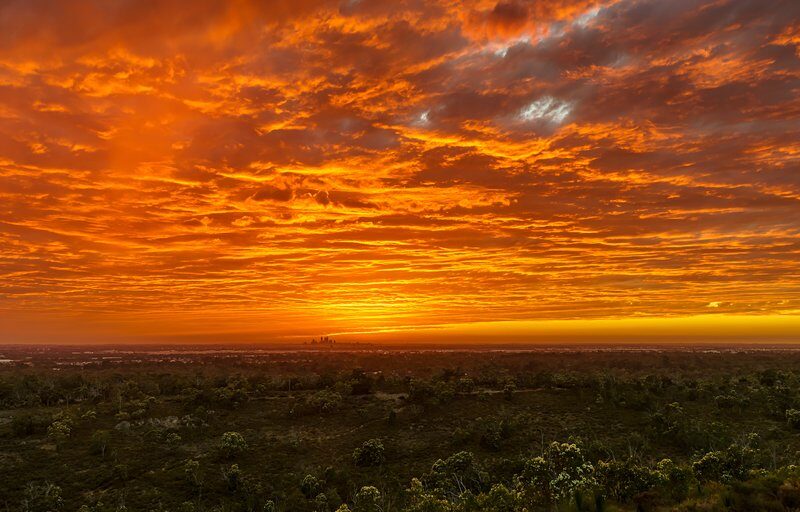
point(360, 382)
point(465, 385)
point(509, 389)
point(321, 503)
point(368, 500)
point(494, 434)
point(623, 480)
point(726, 401)
point(100, 441)
point(310, 486)
point(724, 465)
point(22, 425)
point(192, 472)
point(454, 475)
point(422, 501)
point(674, 480)
point(499, 499)
point(793, 418)
point(325, 401)
point(232, 476)
point(371, 453)
point(789, 494)
point(558, 474)
point(59, 431)
point(44, 497)
point(232, 443)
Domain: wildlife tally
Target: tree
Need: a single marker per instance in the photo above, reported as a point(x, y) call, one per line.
point(325, 400)
point(724, 466)
point(465, 385)
point(509, 389)
point(173, 440)
point(23, 425)
point(360, 382)
point(459, 473)
point(192, 471)
point(557, 475)
point(793, 418)
point(673, 479)
point(368, 500)
point(232, 443)
point(422, 501)
point(371, 453)
point(45, 497)
point(100, 442)
point(310, 486)
point(623, 480)
point(494, 434)
point(500, 499)
point(232, 476)
point(321, 503)
point(59, 431)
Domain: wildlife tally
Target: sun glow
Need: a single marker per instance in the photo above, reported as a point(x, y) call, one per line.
point(495, 171)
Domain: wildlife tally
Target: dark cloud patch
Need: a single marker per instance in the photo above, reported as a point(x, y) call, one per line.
point(268, 193)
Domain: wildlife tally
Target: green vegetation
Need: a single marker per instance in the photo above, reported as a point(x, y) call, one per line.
point(403, 431)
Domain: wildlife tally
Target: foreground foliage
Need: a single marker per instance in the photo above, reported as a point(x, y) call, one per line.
point(416, 432)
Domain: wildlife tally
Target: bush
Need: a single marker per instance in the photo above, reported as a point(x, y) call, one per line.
point(789, 494)
point(232, 476)
point(325, 401)
point(59, 431)
point(793, 418)
point(494, 434)
point(321, 503)
point(499, 499)
point(310, 486)
point(44, 497)
point(724, 465)
point(371, 453)
point(556, 476)
point(232, 443)
point(726, 401)
point(192, 471)
point(454, 475)
point(368, 500)
point(22, 425)
point(100, 441)
point(624, 480)
point(674, 480)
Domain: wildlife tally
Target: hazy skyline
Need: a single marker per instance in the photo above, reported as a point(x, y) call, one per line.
point(248, 170)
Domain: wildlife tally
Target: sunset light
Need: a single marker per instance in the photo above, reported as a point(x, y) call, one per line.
point(269, 171)
point(400, 255)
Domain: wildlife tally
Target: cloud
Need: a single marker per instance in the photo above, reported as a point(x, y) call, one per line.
point(511, 18)
point(546, 108)
point(342, 165)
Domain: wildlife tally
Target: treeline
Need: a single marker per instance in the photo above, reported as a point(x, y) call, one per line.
point(774, 392)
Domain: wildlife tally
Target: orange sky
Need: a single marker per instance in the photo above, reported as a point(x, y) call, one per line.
point(251, 170)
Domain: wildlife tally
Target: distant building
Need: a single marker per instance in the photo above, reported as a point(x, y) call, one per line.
point(323, 340)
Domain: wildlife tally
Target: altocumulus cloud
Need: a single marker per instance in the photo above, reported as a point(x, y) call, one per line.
point(309, 165)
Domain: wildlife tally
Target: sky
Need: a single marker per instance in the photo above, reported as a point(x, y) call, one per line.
point(417, 170)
